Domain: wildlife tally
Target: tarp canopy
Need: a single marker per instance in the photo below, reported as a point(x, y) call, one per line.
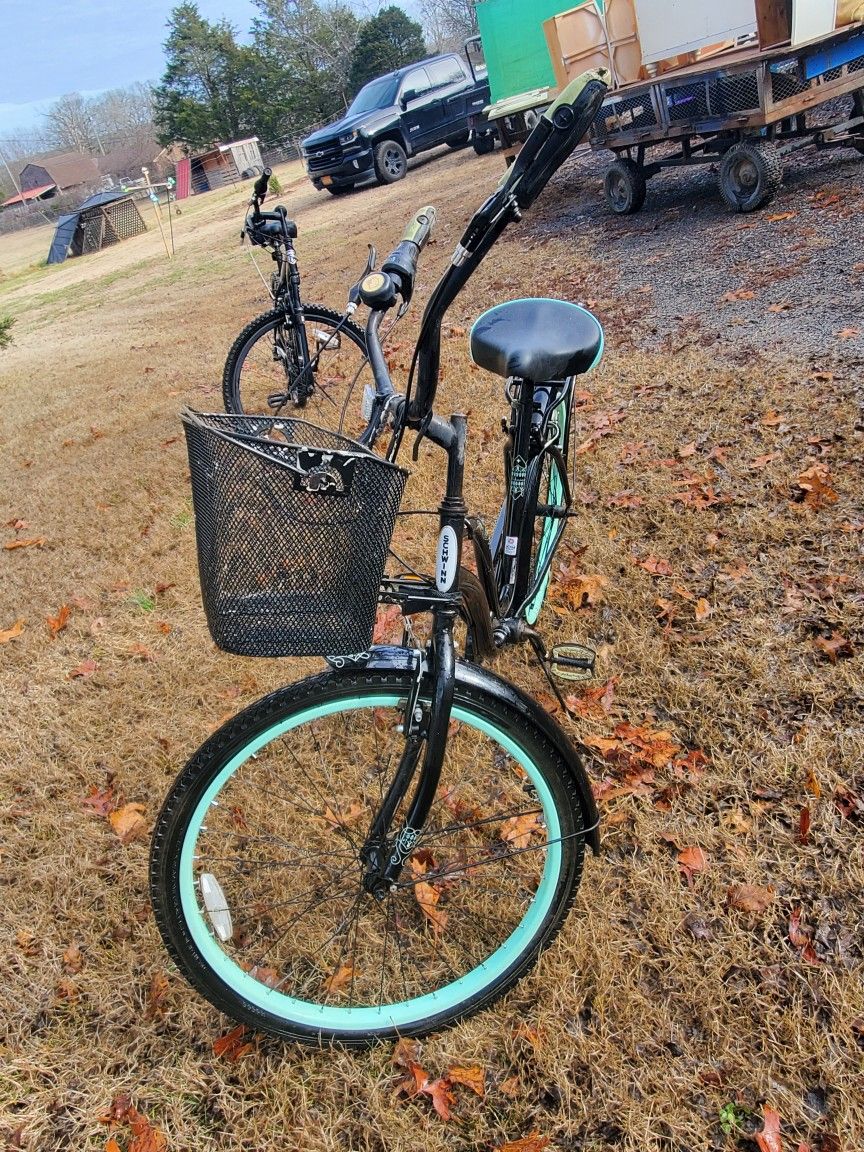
point(64, 233)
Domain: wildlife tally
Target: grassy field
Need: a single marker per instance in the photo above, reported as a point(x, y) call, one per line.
point(709, 980)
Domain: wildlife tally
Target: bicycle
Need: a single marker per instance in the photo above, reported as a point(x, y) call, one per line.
point(295, 355)
point(384, 848)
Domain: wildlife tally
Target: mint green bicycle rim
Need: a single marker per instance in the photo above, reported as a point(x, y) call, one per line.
point(335, 1019)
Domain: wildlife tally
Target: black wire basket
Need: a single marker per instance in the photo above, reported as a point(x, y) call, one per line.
point(293, 524)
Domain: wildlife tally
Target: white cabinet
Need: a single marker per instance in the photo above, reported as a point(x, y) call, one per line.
point(672, 27)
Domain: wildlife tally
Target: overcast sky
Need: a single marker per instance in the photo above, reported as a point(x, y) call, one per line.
point(51, 47)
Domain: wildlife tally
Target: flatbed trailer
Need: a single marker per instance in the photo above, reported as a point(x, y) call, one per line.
point(746, 108)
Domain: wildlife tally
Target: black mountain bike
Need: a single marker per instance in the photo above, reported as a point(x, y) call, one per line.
point(295, 355)
point(384, 848)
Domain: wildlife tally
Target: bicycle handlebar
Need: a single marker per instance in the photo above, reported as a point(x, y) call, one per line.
point(401, 264)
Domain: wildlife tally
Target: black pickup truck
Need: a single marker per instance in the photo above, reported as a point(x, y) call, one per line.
point(393, 117)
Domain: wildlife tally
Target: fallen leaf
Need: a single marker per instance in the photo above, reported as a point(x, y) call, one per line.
point(128, 822)
point(83, 670)
point(338, 979)
point(801, 937)
point(388, 625)
point(232, 1047)
point(685, 450)
point(405, 1052)
point(776, 217)
point(156, 994)
point(657, 567)
point(834, 646)
point(58, 623)
point(750, 897)
point(473, 1078)
point(815, 482)
point(533, 1143)
point(785, 306)
point(769, 1138)
point(73, 961)
point(737, 294)
point(510, 1087)
point(163, 626)
point(812, 784)
point(12, 633)
point(804, 826)
point(112, 1145)
point(702, 610)
point(426, 894)
point(843, 334)
point(771, 419)
point(691, 861)
point(141, 652)
point(518, 830)
point(763, 461)
point(37, 542)
point(101, 800)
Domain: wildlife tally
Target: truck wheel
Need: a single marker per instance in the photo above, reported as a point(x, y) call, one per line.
point(391, 163)
point(750, 173)
point(458, 141)
point(484, 144)
point(625, 187)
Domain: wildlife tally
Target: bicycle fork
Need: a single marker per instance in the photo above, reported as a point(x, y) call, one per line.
point(384, 854)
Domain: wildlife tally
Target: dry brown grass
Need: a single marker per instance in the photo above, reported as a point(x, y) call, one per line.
point(660, 1004)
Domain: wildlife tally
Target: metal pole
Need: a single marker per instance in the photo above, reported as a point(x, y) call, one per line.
point(170, 221)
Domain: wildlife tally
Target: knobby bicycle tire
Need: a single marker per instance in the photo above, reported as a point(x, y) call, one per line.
point(261, 368)
point(256, 879)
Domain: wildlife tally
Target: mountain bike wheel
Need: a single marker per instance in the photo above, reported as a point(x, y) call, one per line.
point(263, 373)
point(256, 877)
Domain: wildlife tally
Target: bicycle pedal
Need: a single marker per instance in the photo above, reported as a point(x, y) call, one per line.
point(572, 661)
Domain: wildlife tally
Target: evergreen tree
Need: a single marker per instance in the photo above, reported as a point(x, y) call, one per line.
point(387, 41)
point(209, 88)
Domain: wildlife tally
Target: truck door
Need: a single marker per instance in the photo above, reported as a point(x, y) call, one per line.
point(417, 101)
point(450, 85)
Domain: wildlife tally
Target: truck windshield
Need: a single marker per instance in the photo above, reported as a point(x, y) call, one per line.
point(379, 93)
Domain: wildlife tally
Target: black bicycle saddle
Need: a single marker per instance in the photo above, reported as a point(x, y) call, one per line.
point(536, 339)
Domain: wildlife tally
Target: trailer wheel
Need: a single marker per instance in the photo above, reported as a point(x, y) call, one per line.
point(625, 186)
point(750, 173)
point(484, 143)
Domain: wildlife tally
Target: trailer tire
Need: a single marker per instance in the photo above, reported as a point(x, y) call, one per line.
point(484, 143)
point(625, 186)
point(751, 171)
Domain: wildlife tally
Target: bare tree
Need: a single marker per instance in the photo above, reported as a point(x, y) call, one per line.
point(447, 23)
point(95, 125)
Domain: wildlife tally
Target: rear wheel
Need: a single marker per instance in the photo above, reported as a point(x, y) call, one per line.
point(257, 873)
point(264, 373)
point(545, 496)
point(751, 171)
point(391, 163)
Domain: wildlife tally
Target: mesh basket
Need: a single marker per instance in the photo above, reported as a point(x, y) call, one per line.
point(293, 524)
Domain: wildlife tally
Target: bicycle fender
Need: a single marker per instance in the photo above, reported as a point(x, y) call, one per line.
point(396, 659)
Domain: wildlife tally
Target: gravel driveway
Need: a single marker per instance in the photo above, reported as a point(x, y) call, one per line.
point(788, 279)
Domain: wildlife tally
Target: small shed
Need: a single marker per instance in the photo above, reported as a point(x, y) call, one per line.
point(221, 165)
point(103, 219)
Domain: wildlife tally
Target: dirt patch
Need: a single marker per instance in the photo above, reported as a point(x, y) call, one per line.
point(720, 536)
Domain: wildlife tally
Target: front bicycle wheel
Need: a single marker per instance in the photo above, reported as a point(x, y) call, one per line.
point(256, 870)
point(265, 373)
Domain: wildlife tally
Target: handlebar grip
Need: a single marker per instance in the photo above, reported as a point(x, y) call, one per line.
point(401, 264)
point(421, 226)
point(260, 187)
